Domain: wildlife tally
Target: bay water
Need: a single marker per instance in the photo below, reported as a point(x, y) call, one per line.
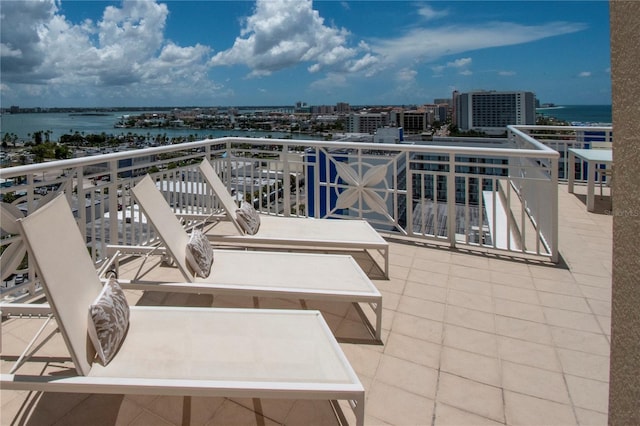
point(58, 124)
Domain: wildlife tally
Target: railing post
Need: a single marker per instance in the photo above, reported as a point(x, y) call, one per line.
point(286, 180)
point(113, 204)
point(451, 200)
point(554, 209)
point(409, 195)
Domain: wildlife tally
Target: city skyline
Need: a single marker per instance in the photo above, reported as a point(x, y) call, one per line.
point(170, 53)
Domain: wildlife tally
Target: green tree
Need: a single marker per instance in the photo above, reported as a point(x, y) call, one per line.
point(61, 152)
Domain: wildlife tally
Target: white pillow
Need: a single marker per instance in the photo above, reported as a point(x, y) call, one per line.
point(248, 218)
point(108, 320)
point(199, 254)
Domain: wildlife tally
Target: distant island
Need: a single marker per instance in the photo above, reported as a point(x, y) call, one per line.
point(92, 114)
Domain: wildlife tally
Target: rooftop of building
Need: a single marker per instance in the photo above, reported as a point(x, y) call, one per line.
point(468, 339)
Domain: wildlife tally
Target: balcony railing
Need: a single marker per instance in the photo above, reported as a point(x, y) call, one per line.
point(561, 138)
point(487, 199)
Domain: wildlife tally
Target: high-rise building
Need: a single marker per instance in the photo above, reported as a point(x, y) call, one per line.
point(343, 108)
point(367, 122)
point(491, 111)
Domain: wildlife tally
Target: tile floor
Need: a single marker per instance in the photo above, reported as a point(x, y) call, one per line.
point(468, 339)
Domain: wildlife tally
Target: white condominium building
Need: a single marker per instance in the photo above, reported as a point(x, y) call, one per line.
point(491, 111)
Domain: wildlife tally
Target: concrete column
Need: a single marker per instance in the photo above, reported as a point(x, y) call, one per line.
point(624, 388)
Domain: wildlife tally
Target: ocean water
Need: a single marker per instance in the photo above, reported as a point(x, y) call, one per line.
point(579, 114)
point(25, 125)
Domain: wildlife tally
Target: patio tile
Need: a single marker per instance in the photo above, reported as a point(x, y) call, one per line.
point(584, 364)
point(470, 272)
point(533, 381)
point(470, 285)
point(524, 410)
point(313, 413)
point(398, 272)
point(528, 353)
point(597, 293)
point(511, 279)
point(525, 311)
point(470, 318)
point(415, 350)
point(517, 294)
point(363, 358)
point(477, 398)
point(421, 264)
point(516, 267)
point(559, 287)
point(176, 408)
point(591, 418)
point(439, 254)
point(600, 307)
point(447, 415)
point(231, 412)
point(419, 328)
point(593, 280)
point(569, 319)
point(397, 406)
point(479, 368)
point(470, 340)
point(551, 273)
point(400, 260)
point(422, 308)
point(605, 324)
point(589, 394)
point(561, 301)
point(148, 418)
point(472, 261)
point(392, 285)
point(470, 301)
point(426, 292)
point(480, 339)
point(426, 277)
point(408, 376)
point(390, 300)
point(594, 343)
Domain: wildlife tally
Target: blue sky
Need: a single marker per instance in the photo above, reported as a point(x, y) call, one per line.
point(58, 53)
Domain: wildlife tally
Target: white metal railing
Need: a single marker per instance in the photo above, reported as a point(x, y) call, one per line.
point(561, 138)
point(482, 198)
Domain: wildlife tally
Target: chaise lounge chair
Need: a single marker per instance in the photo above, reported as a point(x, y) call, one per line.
point(304, 276)
point(279, 231)
point(244, 353)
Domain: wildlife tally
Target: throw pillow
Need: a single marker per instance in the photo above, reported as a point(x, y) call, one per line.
point(199, 254)
point(108, 320)
point(248, 218)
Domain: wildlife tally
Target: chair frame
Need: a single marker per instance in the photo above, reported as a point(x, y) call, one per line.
point(308, 233)
point(306, 276)
point(71, 283)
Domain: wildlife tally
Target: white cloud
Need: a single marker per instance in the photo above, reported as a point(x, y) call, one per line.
point(332, 81)
point(465, 72)
point(430, 13)
point(585, 74)
point(406, 74)
point(126, 48)
point(450, 40)
point(459, 63)
point(125, 55)
point(506, 73)
point(285, 33)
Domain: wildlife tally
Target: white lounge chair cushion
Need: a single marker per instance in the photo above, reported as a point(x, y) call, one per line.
point(108, 320)
point(248, 218)
point(199, 254)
